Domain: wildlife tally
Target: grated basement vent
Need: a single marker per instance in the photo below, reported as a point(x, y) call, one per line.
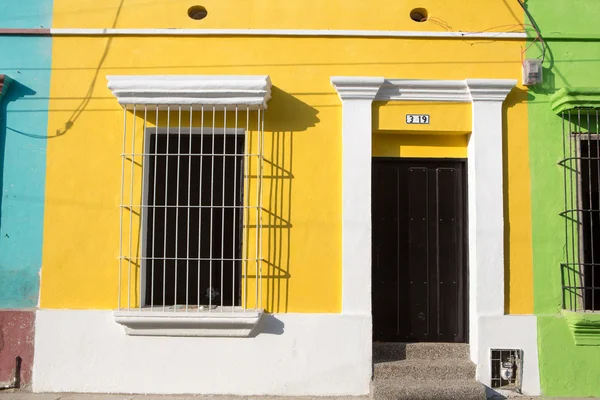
point(507, 367)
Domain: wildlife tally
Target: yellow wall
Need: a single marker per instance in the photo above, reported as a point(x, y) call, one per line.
point(464, 15)
point(81, 231)
point(428, 146)
point(446, 135)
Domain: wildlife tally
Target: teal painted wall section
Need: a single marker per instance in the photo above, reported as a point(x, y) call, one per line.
point(26, 14)
point(23, 137)
point(565, 369)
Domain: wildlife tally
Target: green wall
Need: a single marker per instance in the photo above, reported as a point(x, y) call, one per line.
point(572, 59)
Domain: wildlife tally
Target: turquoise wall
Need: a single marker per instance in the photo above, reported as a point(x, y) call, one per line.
point(23, 132)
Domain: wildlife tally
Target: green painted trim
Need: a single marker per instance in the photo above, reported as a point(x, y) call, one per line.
point(568, 98)
point(585, 327)
point(5, 82)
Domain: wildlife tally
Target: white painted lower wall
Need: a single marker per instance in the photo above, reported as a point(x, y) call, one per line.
point(291, 354)
point(510, 332)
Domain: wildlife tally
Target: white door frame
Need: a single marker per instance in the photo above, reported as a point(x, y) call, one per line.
point(485, 192)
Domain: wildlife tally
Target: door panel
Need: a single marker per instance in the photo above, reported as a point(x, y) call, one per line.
point(419, 264)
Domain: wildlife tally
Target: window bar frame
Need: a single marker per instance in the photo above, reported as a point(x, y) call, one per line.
point(154, 209)
point(598, 176)
point(200, 204)
point(142, 233)
point(131, 186)
point(121, 208)
point(566, 269)
point(234, 210)
point(576, 134)
point(164, 291)
point(246, 212)
point(580, 295)
point(177, 186)
point(260, 205)
point(189, 209)
point(257, 210)
point(223, 208)
point(212, 190)
point(246, 171)
point(572, 215)
point(590, 205)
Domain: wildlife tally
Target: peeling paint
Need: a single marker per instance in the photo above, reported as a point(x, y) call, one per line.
point(16, 340)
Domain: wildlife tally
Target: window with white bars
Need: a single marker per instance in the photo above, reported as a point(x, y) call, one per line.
point(191, 208)
point(581, 214)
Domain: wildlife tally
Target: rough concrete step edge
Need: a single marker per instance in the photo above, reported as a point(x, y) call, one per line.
point(443, 369)
point(407, 388)
point(408, 382)
point(426, 351)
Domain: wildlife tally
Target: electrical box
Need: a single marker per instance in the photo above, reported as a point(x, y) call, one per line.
point(532, 72)
point(507, 369)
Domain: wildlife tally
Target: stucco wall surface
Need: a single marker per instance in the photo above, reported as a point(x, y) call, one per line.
point(23, 138)
point(292, 354)
point(83, 170)
point(565, 369)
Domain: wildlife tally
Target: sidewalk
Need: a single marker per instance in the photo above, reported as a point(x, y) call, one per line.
point(75, 396)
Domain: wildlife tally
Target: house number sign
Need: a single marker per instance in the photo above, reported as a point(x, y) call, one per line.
point(417, 119)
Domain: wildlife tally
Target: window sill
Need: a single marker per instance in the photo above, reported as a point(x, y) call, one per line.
point(192, 324)
point(584, 326)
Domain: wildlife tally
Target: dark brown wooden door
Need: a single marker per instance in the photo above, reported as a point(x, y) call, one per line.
point(419, 259)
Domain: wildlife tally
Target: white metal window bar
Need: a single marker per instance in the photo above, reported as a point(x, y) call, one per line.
point(187, 222)
point(191, 208)
point(581, 175)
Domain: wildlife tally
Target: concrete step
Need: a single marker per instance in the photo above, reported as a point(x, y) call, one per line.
point(404, 389)
point(443, 369)
point(419, 351)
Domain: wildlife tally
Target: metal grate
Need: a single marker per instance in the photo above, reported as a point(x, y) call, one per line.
point(507, 367)
point(191, 208)
point(581, 174)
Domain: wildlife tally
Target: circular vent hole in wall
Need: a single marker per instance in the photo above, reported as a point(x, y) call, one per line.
point(418, 15)
point(197, 12)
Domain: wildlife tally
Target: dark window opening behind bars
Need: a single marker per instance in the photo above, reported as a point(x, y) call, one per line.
point(580, 272)
point(197, 193)
point(590, 168)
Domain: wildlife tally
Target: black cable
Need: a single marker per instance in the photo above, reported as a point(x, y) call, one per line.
point(537, 29)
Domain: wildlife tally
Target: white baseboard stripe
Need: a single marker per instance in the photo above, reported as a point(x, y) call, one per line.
point(85, 351)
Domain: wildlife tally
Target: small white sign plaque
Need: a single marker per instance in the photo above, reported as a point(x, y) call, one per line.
point(418, 119)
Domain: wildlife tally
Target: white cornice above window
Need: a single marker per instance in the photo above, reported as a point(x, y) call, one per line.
point(219, 90)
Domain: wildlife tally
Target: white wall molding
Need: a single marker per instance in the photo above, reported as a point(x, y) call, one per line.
point(357, 95)
point(490, 89)
point(247, 90)
point(486, 203)
point(204, 324)
point(485, 192)
point(84, 351)
point(268, 32)
point(458, 91)
point(424, 90)
point(357, 88)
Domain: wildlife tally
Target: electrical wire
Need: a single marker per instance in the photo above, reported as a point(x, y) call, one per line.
point(537, 31)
